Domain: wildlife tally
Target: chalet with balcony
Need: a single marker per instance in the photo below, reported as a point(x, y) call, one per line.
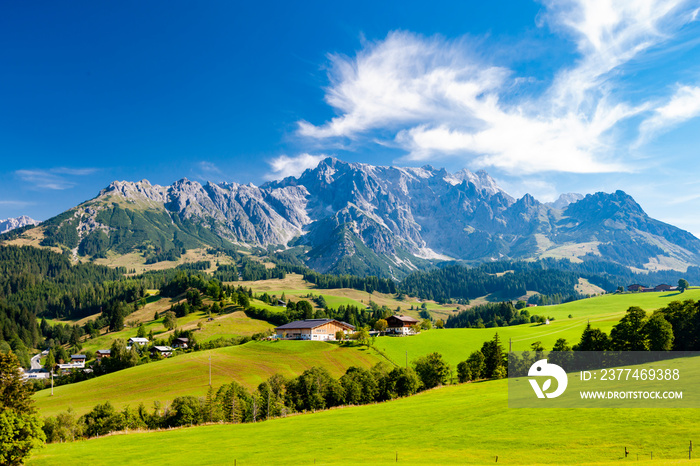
point(400, 325)
point(181, 342)
point(164, 351)
point(137, 341)
point(78, 359)
point(313, 329)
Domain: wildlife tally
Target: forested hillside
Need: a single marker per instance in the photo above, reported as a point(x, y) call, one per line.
point(46, 283)
point(548, 277)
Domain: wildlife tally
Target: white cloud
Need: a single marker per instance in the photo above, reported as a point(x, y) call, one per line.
point(608, 34)
point(542, 190)
point(436, 98)
point(284, 166)
point(207, 171)
point(73, 171)
point(682, 106)
point(403, 79)
point(16, 203)
point(54, 178)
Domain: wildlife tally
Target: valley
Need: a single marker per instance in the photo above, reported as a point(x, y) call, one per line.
point(464, 424)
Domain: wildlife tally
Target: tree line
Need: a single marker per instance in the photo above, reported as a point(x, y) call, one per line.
point(494, 315)
point(456, 281)
point(315, 389)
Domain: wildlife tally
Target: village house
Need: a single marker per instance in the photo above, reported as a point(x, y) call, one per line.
point(78, 359)
point(164, 351)
point(103, 353)
point(137, 341)
point(181, 342)
point(312, 329)
point(400, 325)
point(665, 287)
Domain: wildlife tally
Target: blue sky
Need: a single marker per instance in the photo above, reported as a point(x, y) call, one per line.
point(548, 97)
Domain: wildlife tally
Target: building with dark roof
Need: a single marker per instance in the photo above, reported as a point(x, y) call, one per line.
point(164, 351)
point(312, 329)
point(181, 342)
point(665, 287)
point(400, 324)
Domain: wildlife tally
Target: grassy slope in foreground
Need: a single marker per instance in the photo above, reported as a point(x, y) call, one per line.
point(188, 374)
point(469, 423)
point(602, 311)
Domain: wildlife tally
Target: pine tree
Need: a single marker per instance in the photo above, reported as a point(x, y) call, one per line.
point(21, 425)
point(50, 362)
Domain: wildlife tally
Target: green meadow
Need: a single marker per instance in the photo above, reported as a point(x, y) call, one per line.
point(464, 424)
point(615, 303)
point(469, 423)
point(295, 288)
point(188, 374)
point(232, 325)
point(456, 344)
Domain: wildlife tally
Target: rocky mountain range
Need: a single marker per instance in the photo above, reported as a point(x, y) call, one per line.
point(356, 218)
point(18, 222)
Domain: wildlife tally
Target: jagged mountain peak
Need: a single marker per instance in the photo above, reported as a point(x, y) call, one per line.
point(480, 179)
point(135, 190)
point(9, 224)
point(564, 200)
point(528, 200)
point(602, 205)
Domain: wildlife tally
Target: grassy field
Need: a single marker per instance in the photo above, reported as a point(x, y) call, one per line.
point(259, 304)
point(612, 303)
point(188, 374)
point(464, 424)
point(456, 344)
point(296, 288)
point(136, 260)
point(232, 325)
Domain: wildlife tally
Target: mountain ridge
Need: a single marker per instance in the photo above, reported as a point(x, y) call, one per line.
point(363, 219)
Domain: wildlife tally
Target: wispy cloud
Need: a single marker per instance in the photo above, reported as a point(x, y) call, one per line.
point(683, 105)
point(9, 203)
point(284, 166)
point(608, 34)
point(73, 171)
point(435, 97)
point(207, 171)
point(58, 178)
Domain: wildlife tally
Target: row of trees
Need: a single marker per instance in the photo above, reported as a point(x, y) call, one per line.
point(637, 331)
point(493, 315)
point(315, 389)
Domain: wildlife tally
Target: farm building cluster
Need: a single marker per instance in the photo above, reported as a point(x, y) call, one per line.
point(327, 329)
point(642, 288)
